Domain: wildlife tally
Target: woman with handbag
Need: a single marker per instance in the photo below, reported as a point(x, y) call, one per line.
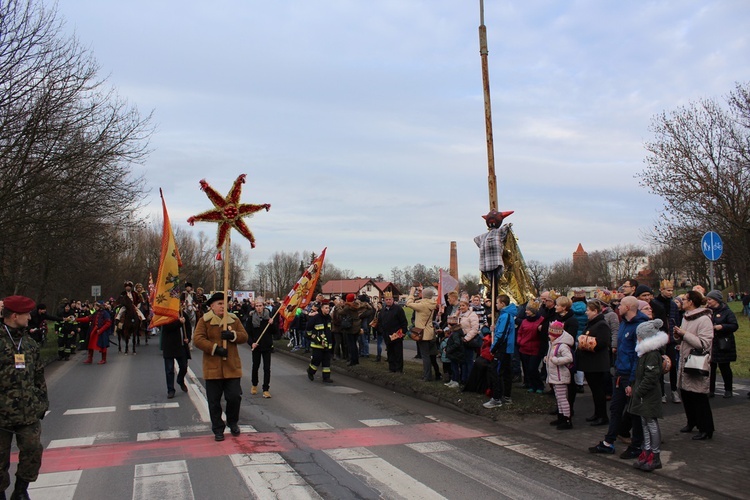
point(423, 331)
point(593, 360)
point(695, 335)
point(469, 323)
point(724, 350)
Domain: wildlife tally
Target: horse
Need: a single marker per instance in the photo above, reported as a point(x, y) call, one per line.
point(128, 325)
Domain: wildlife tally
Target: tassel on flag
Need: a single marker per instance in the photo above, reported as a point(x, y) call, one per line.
point(218, 256)
point(166, 304)
point(302, 292)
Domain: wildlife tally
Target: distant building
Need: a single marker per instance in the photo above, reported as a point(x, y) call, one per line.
point(359, 286)
point(580, 256)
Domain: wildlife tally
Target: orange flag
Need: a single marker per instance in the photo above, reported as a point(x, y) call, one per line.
point(166, 305)
point(301, 294)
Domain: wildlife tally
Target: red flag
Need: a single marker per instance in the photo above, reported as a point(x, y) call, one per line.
point(166, 305)
point(301, 293)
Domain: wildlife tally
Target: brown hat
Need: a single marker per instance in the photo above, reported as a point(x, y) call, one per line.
point(18, 304)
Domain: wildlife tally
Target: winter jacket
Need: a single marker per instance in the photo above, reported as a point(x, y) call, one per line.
point(506, 326)
point(699, 334)
point(454, 347)
point(627, 360)
point(424, 310)
point(529, 341)
point(172, 343)
point(578, 308)
point(319, 331)
point(645, 399)
point(613, 322)
point(558, 358)
point(725, 317)
point(597, 361)
point(254, 332)
point(23, 391)
point(207, 337)
point(469, 322)
point(356, 311)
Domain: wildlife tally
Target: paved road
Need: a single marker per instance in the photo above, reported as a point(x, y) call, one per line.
point(111, 432)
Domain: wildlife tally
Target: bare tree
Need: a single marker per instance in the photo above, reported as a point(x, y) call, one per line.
point(538, 273)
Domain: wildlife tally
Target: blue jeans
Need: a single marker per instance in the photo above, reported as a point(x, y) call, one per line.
point(466, 365)
point(379, 337)
point(364, 343)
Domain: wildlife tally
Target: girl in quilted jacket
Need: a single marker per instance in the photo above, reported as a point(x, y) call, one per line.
point(559, 357)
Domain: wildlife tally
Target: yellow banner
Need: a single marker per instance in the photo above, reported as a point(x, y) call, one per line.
point(166, 304)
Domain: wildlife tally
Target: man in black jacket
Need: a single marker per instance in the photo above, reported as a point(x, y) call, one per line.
point(393, 326)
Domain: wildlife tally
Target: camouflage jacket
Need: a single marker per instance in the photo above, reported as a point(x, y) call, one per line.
point(23, 391)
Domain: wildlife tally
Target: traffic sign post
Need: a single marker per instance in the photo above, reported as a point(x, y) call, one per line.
point(96, 291)
point(712, 248)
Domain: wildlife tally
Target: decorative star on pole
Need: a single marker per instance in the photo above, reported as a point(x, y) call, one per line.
point(228, 211)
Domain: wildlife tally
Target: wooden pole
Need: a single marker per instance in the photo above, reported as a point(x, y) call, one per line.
point(491, 178)
point(225, 319)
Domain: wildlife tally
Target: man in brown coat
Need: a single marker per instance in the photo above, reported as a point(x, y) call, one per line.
point(222, 366)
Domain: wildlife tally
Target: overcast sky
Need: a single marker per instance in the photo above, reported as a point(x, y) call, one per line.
point(362, 122)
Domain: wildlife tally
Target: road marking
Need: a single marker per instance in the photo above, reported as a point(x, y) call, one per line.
point(154, 406)
point(162, 480)
point(86, 411)
point(155, 436)
point(103, 455)
point(65, 443)
point(645, 488)
point(268, 476)
point(248, 428)
point(55, 486)
point(197, 396)
point(310, 426)
point(386, 479)
point(506, 482)
point(340, 389)
point(380, 422)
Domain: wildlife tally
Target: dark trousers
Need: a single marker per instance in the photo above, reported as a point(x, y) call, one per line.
point(726, 376)
point(501, 377)
point(29, 441)
point(232, 392)
point(617, 412)
point(531, 373)
point(597, 382)
point(339, 346)
point(394, 350)
point(697, 410)
point(182, 364)
point(351, 343)
point(320, 356)
point(265, 357)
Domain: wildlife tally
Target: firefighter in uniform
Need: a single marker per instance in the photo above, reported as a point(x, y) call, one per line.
point(23, 397)
point(321, 342)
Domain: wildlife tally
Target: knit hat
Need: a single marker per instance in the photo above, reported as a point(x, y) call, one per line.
point(642, 289)
point(350, 297)
point(716, 295)
point(556, 329)
point(648, 328)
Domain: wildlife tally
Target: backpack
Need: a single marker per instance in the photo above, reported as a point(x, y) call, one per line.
point(346, 322)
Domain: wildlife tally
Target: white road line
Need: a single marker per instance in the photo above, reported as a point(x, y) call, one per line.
point(268, 476)
point(389, 481)
point(55, 485)
point(65, 443)
point(162, 480)
point(157, 435)
point(434, 419)
point(506, 482)
point(154, 406)
point(310, 426)
point(198, 398)
point(86, 411)
point(645, 488)
point(380, 422)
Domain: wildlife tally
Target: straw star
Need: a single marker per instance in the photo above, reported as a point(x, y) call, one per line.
point(228, 211)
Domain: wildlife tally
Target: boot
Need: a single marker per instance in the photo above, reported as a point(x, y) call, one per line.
point(104, 358)
point(19, 492)
point(90, 359)
point(652, 463)
point(642, 459)
point(558, 420)
point(565, 424)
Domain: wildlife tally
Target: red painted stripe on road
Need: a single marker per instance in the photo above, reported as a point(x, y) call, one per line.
point(132, 453)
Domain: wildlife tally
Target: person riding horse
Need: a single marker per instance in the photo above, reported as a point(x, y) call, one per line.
point(131, 300)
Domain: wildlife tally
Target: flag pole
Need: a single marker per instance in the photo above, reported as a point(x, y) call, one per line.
point(225, 319)
point(491, 177)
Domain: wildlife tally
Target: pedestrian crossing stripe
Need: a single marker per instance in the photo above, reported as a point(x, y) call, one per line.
point(66, 443)
point(310, 426)
point(155, 436)
point(86, 411)
point(154, 406)
point(268, 475)
point(380, 422)
point(162, 480)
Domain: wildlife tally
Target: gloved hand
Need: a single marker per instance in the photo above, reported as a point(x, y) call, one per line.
point(227, 335)
point(221, 352)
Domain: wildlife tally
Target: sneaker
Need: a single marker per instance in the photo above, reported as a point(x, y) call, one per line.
point(642, 458)
point(266, 394)
point(507, 400)
point(493, 403)
point(254, 389)
point(676, 397)
point(631, 452)
point(603, 448)
point(664, 399)
point(540, 391)
point(454, 385)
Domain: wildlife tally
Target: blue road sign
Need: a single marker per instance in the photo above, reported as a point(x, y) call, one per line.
point(712, 246)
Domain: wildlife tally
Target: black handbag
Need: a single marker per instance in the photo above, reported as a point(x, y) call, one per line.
point(723, 344)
